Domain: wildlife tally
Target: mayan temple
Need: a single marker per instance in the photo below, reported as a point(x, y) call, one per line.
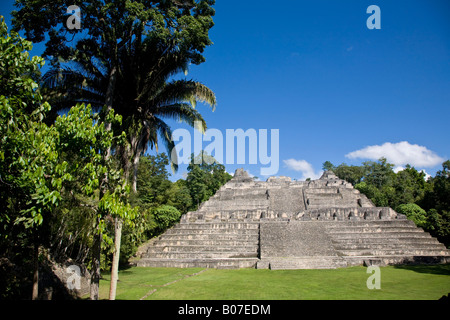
point(285, 224)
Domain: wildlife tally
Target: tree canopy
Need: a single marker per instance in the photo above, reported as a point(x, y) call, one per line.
point(123, 55)
point(42, 165)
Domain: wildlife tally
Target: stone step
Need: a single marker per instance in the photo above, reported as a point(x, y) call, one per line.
point(374, 246)
point(320, 262)
point(207, 242)
point(395, 252)
point(217, 225)
point(371, 223)
point(202, 248)
point(376, 235)
point(213, 231)
point(209, 236)
point(201, 255)
point(402, 240)
point(222, 263)
point(374, 229)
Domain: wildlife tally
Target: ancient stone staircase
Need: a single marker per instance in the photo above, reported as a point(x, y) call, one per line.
point(205, 244)
point(386, 242)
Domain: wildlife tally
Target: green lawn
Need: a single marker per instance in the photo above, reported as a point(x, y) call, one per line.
point(397, 282)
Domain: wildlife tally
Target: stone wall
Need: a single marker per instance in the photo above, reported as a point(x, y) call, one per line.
point(280, 197)
point(294, 239)
point(349, 213)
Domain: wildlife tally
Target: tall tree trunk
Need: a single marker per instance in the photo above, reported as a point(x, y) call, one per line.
point(118, 236)
point(116, 256)
point(35, 293)
point(118, 232)
point(118, 222)
point(110, 94)
point(95, 277)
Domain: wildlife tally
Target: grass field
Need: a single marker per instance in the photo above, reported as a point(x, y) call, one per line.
point(397, 283)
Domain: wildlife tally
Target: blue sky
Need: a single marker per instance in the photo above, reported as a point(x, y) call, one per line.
point(336, 90)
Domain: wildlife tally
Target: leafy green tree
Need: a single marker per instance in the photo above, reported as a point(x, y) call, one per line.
point(205, 177)
point(197, 181)
point(407, 191)
point(415, 213)
point(179, 196)
point(30, 175)
point(442, 187)
point(127, 53)
point(409, 185)
point(152, 180)
point(113, 30)
point(328, 166)
point(83, 133)
point(438, 224)
point(145, 108)
point(436, 202)
point(154, 187)
point(374, 179)
point(378, 173)
point(36, 159)
point(352, 174)
point(165, 216)
point(370, 191)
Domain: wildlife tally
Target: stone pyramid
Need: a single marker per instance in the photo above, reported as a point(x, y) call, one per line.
point(285, 224)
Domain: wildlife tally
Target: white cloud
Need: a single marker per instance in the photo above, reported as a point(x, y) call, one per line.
point(304, 167)
point(398, 168)
point(400, 154)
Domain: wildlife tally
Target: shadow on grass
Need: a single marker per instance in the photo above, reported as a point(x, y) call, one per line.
point(443, 269)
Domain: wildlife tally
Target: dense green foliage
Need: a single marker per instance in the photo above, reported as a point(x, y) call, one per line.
point(44, 166)
point(162, 202)
point(123, 58)
point(155, 189)
point(414, 213)
point(51, 175)
point(424, 201)
point(205, 177)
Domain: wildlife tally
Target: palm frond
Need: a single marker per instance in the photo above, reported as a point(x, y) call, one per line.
point(181, 112)
point(64, 87)
point(144, 94)
point(165, 132)
point(186, 91)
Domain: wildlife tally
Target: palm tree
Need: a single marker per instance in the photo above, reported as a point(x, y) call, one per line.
point(145, 95)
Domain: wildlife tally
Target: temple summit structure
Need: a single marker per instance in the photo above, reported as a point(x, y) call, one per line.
point(285, 224)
